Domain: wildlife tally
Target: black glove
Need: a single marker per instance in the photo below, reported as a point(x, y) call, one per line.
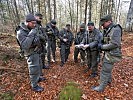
point(32, 33)
point(100, 46)
point(36, 41)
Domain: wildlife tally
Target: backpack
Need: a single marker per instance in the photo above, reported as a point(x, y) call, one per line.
point(21, 52)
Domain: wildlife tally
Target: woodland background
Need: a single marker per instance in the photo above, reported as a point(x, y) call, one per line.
point(14, 78)
point(75, 12)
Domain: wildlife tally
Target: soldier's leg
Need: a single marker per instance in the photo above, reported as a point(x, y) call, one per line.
point(82, 54)
point(104, 75)
point(88, 61)
point(43, 55)
point(76, 52)
point(41, 62)
point(34, 71)
point(67, 50)
point(53, 48)
point(94, 63)
point(49, 52)
point(62, 55)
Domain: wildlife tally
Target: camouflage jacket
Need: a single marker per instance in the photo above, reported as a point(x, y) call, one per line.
point(79, 37)
point(64, 34)
point(91, 38)
point(28, 40)
point(112, 43)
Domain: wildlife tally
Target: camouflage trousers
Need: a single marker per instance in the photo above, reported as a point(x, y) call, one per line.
point(106, 72)
point(34, 67)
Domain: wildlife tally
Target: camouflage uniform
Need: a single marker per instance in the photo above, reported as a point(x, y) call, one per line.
point(52, 33)
point(65, 45)
point(30, 44)
point(41, 32)
point(112, 50)
point(92, 38)
point(77, 40)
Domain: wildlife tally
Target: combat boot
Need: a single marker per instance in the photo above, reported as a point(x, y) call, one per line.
point(61, 65)
point(46, 67)
point(99, 88)
point(87, 69)
point(41, 79)
point(37, 89)
point(92, 75)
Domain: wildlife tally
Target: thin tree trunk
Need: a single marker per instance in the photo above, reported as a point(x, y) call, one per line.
point(2, 13)
point(39, 6)
point(49, 9)
point(45, 14)
point(55, 14)
point(70, 12)
point(81, 11)
point(86, 4)
point(28, 5)
point(117, 11)
point(90, 6)
point(31, 8)
point(17, 14)
point(77, 16)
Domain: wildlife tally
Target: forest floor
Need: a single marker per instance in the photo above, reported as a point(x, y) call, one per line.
point(14, 78)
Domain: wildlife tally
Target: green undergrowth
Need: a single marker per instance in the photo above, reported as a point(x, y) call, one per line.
point(70, 92)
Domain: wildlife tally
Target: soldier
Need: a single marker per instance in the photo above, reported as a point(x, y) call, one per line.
point(52, 33)
point(41, 31)
point(77, 40)
point(66, 39)
point(30, 45)
point(112, 50)
point(91, 39)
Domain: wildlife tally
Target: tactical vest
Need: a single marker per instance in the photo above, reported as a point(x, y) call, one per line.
point(113, 55)
point(79, 37)
point(89, 38)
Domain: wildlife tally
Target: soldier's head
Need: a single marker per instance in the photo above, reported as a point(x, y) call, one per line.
point(82, 27)
point(90, 26)
point(38, 17)
point(105, 21)
point(53, 22)
point(30, 21)
point(68, 26)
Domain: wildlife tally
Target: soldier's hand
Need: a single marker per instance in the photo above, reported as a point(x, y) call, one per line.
point(32, 33)
point(49, 32)
point(100, 46)
point(65, 40)
point(42, 37)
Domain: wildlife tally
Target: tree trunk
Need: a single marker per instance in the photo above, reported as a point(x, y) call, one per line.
point(90, 6)
point(45, 14)
point(70, 12)
point(86, 5)
point(49, 10)
point(55, 14)
point(2, 13)
point(77, 16)
point(28, 5)
point(31, 8)
point(117, 11)
point(17, 14)
point(129, 23)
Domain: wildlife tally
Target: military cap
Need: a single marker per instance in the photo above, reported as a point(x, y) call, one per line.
point(82, 25)
point(68, 25)
point(30, 17)
point(38, 14)
point(105, 19)
point(53, 21)
point(90, 23)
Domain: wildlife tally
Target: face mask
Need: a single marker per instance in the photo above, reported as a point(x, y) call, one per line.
point(38, 22)
point(82, 30)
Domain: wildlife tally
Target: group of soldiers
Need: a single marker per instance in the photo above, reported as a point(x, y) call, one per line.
point(37, 41)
